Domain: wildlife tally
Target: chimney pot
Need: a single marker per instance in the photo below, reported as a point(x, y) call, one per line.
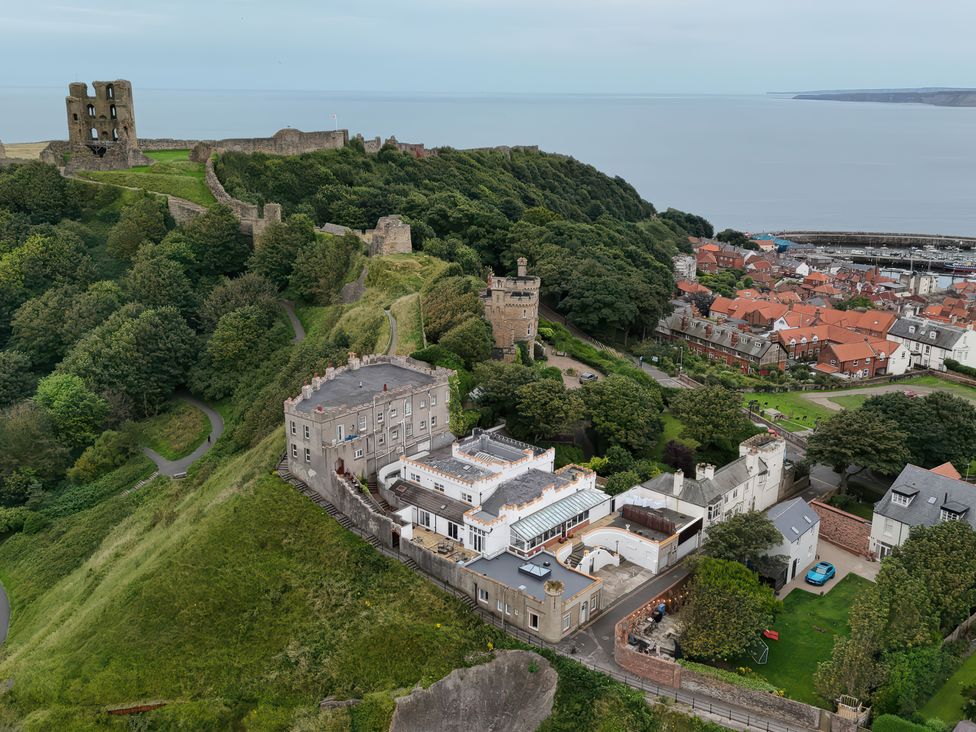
point(384, 387)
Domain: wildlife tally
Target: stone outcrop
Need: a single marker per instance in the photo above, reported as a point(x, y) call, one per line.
point(512, 693)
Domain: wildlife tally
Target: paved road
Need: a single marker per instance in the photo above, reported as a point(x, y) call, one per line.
point(296, 324)
point(662, 378)
point(177, 467)
point(391, 349)
point(4, 614)
point(595, 642)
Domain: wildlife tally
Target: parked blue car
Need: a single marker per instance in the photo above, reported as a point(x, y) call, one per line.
point(821, 573)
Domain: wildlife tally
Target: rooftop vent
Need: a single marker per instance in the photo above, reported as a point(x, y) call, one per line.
point(534, 570)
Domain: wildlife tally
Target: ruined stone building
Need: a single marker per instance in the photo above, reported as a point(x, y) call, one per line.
point(512, 307)
point(101, 129)
point(391, 236)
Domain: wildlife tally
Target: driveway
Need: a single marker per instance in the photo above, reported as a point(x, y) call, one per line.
point(565, 362)
point(844, 562)
point(179, 467)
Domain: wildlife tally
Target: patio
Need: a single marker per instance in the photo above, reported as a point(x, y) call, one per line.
point(442, 545)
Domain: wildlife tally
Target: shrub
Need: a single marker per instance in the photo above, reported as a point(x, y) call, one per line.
point(12, 519)
point(953, 365)
point(110, 450)
point(35, 522)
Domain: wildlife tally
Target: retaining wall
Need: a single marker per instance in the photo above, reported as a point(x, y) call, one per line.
point(182, 210)
point(844, 529)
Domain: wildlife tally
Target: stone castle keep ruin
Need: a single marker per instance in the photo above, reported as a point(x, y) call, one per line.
point(511, 305)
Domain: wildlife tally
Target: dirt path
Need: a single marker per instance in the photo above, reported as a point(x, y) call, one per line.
point(296, 324)
point(391, 349)
point(823, 398)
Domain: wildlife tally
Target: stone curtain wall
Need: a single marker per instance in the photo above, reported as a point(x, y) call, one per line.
point(165, 143)
point(247, 213)
point(792, 712)
point(182, 210)
point(844, 529)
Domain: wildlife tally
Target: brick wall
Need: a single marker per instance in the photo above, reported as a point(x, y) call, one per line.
point(843, 529)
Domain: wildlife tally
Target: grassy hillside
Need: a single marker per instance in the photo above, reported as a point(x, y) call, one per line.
point(173, 174)
point(236, 601)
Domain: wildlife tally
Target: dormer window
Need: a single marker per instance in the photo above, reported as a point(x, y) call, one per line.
point(953, 511)
point(901, 499)
point(947, 515)
point(932, 335)
point(911, 329)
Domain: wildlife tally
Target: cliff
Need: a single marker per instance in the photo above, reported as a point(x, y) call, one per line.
point(941, 98)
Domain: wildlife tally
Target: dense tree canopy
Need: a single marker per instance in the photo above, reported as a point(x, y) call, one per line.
point(853, 437)
point(623, 412)
point(708, 414)
point(746, 538)
point(604, 257)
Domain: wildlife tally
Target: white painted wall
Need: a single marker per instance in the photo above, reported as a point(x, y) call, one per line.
point(888, 531)
point(633, 548)
point(803, 550)
point(596, 559)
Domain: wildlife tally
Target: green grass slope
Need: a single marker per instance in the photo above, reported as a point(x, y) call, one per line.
point(173, 174)
point(232, 598)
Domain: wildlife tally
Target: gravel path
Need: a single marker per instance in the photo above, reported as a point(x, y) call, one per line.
point(391, 349)
point(179, 467)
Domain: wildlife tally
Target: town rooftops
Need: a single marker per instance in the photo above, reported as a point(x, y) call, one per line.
point(926, 494)
point(351, 387)
point(733, 339)
point(793, 518)
point(505, 568)
point(925, 331)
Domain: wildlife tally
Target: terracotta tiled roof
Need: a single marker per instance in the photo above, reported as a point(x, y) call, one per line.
point(948, 470)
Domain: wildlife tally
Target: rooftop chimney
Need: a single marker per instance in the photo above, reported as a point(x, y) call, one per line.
point(384, 387)
point(523, 264)
point(679, 481)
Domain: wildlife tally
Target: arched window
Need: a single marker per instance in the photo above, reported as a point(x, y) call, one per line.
point(94, 133)
point(91, 110)
point(110, 91)
point(112, 112)
point(115, 134)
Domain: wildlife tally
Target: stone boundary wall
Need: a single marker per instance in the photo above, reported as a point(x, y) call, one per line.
point(665, 672)
point(844, 529)
point(165, 143)
point(252, 222)
point(182, 210)
point(960, 629)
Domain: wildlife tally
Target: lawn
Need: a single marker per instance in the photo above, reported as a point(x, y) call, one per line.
point(807, 628)
point(801, 413)
point(173, 174)
point(960, 390)
point(671, 431)
point(946, 703)
point(406, 310)
point(851, 401)
point(176, 431)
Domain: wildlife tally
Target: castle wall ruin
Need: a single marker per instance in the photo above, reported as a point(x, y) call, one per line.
point(101, 129)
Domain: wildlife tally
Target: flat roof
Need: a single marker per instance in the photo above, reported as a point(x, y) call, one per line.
point(354, 387)
point(494, 447)
point(452, 466)
point(505, 569)
point(432, 501)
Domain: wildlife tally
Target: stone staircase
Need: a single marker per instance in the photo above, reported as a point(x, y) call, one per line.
point(574, 559)
point(374, 493)
point(320, 501)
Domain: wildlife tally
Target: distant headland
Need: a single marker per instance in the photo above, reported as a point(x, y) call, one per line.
point(939, 96)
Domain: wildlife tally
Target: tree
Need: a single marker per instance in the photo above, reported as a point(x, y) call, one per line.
point(940, 427)
point(139, 354)
point(546, 408)
point(727, 609)
point(708, 414)
point(158, 281)
point(858, 301)
point(38, 190)
point(143, 220)
point(449, 301)
point(470, 339)
point(702, 302)
point(855, 438)
point(111, 450)
point(76, 412)
point(321, 267)
point(278, 247)
point(250, 289)
point(622, 481)
point(679, 455)
point(694, 225)
point(623, 412)
point(17, 379)
point(746, 538)
point(28, 443)
point(216, 241)
point(733, 237)
point(498, 384)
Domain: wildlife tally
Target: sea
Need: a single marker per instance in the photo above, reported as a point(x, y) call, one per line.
point(755, 163)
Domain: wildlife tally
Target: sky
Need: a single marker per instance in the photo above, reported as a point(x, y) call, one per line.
point(491, 46)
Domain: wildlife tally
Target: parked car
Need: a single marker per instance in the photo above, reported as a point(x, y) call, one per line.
point(587, 376)
point(821, 573)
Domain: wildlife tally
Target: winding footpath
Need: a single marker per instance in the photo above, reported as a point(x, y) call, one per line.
point(392, 347)
point(296, 324)
point(4, 614)
point(174, 468)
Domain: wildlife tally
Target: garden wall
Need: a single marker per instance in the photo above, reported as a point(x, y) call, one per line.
point(844, 529)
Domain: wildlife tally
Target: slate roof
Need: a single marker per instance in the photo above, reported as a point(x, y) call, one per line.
point(931, 492)
point(946, 336)
point(793, 519)
point(705, 492)
point(747, 345)
point(358, 386)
